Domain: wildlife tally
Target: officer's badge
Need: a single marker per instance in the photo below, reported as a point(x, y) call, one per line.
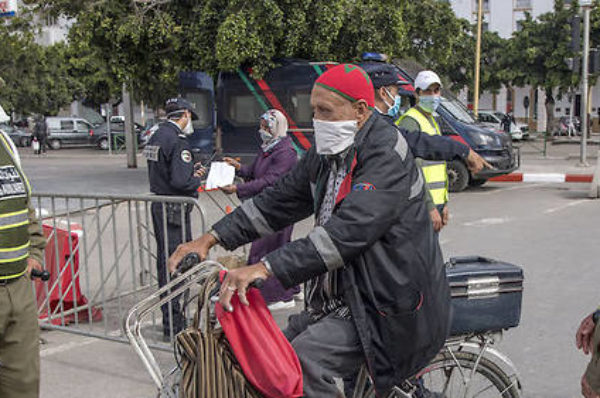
point(151, 152)
point(186, 156)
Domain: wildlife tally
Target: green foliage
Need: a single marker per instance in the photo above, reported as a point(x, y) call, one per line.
point(118, 41)
point(36, 79)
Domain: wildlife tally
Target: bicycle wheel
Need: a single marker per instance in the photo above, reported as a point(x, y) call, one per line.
point(453, 377)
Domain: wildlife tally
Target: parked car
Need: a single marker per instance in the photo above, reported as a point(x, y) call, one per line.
point(20, 137)
point(117, 133)
point(147, 133)
point(67, 131)
point(493, 119)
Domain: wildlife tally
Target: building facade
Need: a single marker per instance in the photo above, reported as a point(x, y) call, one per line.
point(504, 17)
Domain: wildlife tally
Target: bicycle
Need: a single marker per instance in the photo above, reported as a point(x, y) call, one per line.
point(468, 366)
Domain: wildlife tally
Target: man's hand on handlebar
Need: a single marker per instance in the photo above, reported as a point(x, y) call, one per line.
point(237, 281)
point(201, 246)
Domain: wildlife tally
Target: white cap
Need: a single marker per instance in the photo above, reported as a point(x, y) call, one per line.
point(425, 79)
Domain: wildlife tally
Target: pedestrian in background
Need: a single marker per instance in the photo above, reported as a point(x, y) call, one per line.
point(40, 134)
point(275, 158)
point(22, 245)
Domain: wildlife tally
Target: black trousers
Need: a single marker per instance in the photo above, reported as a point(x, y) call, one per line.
point(172, 235)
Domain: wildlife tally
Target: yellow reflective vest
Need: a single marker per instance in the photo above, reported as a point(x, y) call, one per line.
point(436, 176)
point(14, 213)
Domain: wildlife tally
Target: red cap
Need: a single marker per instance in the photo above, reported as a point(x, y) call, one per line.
point(349, 81)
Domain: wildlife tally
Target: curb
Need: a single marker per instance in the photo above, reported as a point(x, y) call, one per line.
point(544, 177)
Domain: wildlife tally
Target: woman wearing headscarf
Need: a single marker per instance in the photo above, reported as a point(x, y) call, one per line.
point(275, 158)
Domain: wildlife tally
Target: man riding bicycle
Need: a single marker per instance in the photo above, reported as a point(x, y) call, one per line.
point(376, 290)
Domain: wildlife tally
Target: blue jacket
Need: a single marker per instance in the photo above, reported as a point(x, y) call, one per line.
point(432, 147)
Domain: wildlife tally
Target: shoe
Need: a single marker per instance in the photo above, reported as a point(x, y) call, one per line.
point(299, 296)
point(282, 305)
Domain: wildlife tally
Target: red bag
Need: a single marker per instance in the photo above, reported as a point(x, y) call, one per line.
point(267, 358)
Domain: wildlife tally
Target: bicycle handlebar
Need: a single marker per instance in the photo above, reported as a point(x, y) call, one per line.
point(192, 259)
point(43, 275)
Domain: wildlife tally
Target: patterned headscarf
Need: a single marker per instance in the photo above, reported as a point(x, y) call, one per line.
point(276, 121)
point(277, 124)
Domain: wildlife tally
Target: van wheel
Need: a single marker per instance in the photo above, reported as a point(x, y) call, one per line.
point(477, 182)
point(24, 142)
point(103, 144)
point(55, 144)
point(458, 176)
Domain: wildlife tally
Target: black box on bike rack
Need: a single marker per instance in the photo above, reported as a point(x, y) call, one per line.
point(486, 294)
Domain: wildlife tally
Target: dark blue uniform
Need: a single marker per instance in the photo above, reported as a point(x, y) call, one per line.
point(432, 147)
point(171, 172)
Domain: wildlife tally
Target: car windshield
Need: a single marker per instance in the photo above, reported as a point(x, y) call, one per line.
point(458, 110)
point(7, 129)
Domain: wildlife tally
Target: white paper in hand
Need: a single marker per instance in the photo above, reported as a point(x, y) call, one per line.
point(220, 175)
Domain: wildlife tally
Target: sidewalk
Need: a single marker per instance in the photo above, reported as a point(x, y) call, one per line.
point(560, 158)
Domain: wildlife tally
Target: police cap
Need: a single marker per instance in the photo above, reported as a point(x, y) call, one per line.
point(383, 74)
point(178, 105)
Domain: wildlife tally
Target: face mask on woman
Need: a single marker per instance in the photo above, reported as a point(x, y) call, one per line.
point(265, 136)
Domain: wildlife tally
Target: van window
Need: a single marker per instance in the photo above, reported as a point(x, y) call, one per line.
point(67, 125)
point(244, 110)
point(303, 113)
point(82, 126)
point(201, 101)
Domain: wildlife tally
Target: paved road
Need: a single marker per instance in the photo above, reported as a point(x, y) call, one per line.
point(551, 230)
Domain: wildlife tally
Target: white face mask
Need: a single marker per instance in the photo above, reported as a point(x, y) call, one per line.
point(332, 138)
point(189, 128)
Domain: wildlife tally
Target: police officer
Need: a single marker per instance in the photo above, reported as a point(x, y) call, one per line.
point(420, 118)
point(22, 248)
point(171, 172)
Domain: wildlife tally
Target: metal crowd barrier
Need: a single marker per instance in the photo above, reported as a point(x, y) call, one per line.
point(101, 254)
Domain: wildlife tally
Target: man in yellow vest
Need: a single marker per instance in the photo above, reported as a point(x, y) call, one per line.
point(21, 249)
point(420, 118)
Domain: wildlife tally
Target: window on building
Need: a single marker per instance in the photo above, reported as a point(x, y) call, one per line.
point(485, 26)
point(519, 26)
point(50, 20)
point(520, 4)
point(486, 5)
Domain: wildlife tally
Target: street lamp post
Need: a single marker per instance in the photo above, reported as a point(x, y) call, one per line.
point(478, 58)
point(587, 6)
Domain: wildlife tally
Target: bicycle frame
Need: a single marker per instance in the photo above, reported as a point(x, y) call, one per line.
point(132, 323)
point(482, 344)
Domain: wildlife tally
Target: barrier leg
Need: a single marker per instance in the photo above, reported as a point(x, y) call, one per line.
point(595, 186)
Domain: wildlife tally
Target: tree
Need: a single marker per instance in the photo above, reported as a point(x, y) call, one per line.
point(540, 49)
point(36, 79)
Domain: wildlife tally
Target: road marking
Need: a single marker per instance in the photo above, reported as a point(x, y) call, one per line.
point(566, 206)
point(487, 221)
point(519, 186)
point(66, 347)
point(76, 344)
